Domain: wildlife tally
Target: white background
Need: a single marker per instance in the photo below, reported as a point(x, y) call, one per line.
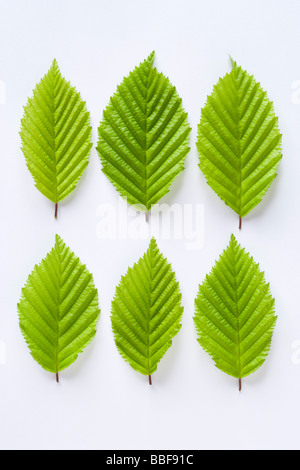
point(101, 402)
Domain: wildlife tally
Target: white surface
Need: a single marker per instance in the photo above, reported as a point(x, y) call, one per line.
point(101, 402)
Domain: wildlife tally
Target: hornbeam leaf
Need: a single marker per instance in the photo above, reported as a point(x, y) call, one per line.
point(58, 310)
point(56, 136)
point(235, 315)
point(146, 311)
point(144, 136)
point(239, 141)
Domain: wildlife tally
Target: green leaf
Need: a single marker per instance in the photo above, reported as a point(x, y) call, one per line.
point(58, 310)
point(146, 311)
point(144, 136)
point(56, 136)
point(239, 141)
point(235, 313)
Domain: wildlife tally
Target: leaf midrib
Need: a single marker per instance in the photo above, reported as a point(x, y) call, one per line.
point(238, 104)
point(150, 307)
point(54, 83)
point(146, 135)
point(58, 305)
point(237, 313)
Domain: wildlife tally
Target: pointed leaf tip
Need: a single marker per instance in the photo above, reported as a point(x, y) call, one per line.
point(233, 62)
point(54, 65)
point(233, 239)
point(151, 57)
point(58, 240)
point(153, 242)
